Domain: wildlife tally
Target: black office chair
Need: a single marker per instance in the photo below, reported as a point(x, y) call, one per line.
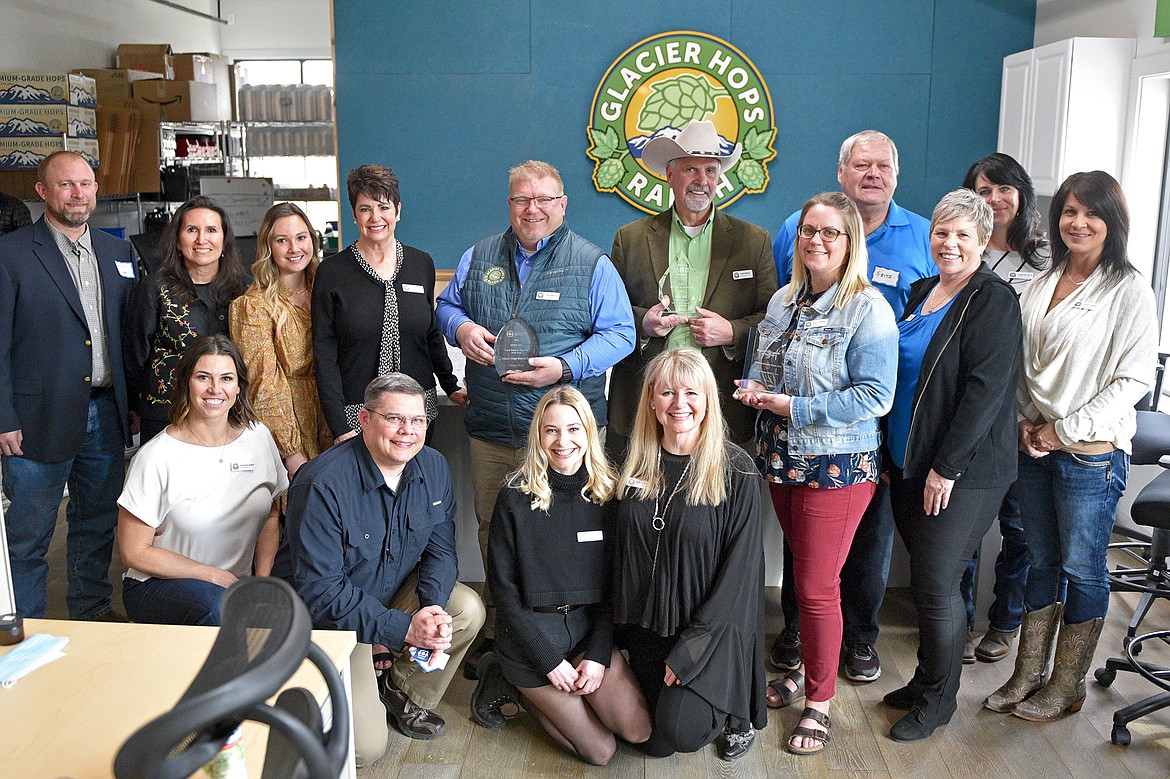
point(1151, 444)
point(264, 638)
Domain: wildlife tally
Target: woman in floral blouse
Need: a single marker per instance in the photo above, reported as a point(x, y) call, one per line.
point(822, 375)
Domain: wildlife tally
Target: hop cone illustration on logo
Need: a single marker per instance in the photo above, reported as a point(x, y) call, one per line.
point(610, 173)
point(678, 100)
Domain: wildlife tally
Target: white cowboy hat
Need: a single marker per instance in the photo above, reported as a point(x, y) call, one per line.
point(697, 139)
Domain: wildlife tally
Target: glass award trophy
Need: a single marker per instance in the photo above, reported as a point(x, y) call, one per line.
point(515, 344)
point(674, 290)
point(763, 369)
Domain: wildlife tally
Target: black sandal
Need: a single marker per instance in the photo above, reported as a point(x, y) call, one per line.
point(787, 697)
point(820, 735)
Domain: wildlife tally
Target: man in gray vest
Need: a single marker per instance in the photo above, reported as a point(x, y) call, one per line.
point(539, 279)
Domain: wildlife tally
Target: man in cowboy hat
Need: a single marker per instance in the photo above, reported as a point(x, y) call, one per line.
point(719, 272)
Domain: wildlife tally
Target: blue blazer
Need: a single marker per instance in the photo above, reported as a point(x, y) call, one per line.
point(45, 353)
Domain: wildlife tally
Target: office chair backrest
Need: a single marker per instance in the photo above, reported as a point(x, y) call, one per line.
point(264, 638)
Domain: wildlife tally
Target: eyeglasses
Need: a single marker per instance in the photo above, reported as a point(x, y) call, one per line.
point(544, 201)
point(398, 421)
point(828, 234)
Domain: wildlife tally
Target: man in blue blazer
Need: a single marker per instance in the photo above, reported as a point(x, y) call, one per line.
point(63, 408)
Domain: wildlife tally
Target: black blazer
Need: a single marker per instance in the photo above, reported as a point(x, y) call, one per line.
point(45, 353)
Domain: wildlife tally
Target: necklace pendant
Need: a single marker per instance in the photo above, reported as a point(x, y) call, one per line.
point(658, 524)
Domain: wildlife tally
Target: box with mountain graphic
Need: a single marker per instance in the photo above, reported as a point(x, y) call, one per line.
point(27, 120)
point(47, 89)
point(20, 153)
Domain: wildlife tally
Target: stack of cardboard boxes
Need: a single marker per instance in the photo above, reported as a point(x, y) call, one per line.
point(41, 113)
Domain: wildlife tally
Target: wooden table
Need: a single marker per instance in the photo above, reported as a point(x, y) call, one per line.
point(69, 718)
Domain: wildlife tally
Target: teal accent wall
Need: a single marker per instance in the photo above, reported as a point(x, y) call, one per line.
point(451, 94)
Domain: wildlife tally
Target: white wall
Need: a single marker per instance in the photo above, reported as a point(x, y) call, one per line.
point(67, 34)
point(1057, 20)
point(277, 29)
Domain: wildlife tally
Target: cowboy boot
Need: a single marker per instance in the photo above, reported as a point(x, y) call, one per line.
point(1036, 637)
point(1065, 691)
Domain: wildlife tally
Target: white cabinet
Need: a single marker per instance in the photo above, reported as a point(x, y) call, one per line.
point(1063, 108)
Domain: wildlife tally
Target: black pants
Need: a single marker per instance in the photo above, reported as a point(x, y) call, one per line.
point(683, 720)
point(863, 577)
point(940, 548)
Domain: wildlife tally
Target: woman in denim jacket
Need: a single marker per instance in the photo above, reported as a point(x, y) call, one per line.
point(822, 375)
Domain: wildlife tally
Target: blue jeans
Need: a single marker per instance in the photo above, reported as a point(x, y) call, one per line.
point(35, 488)
point(1011, 571)
point(172, 601)
point(1067, 503)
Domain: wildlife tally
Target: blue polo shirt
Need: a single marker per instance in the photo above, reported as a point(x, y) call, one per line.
point(354, 541)
point(899, 254)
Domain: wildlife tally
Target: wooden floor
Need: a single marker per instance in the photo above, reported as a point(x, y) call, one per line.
point(977, 744)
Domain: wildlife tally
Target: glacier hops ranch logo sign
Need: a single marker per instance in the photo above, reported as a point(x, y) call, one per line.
point(653, 89)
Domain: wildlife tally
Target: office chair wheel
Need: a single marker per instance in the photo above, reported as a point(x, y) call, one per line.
point(1120, 735)
point(1105, 676)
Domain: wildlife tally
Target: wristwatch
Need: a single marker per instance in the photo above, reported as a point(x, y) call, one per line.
point(566, 372)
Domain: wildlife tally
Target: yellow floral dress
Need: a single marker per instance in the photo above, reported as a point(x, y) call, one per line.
point(282, 385)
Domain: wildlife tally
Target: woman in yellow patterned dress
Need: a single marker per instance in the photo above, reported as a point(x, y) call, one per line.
point(271, 325)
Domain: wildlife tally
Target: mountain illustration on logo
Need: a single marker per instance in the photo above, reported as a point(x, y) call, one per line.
point(21, 125)
point(81, 129)
point(78, 96)
point(24, 93)
point(637, 144)
point(21, 158)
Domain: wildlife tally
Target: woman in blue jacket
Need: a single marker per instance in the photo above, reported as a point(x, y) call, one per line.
point(822, 376)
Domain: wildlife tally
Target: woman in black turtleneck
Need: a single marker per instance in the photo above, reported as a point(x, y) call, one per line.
point(549, 570)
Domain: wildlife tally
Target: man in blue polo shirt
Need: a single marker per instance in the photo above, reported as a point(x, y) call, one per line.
point(899, 254)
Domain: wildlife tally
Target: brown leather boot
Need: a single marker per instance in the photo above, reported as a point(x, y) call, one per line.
point(1036, 637)
point(1065, 691)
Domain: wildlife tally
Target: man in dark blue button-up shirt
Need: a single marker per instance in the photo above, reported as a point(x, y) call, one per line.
point(371, 532)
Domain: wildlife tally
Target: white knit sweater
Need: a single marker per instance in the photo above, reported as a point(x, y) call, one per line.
point(1089, 359)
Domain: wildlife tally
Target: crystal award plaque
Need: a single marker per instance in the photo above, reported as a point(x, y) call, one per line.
point(674, 290)
point(515, 344)
point(763, 369)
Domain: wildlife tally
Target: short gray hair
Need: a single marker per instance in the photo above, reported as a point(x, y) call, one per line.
point(964, 204)
point(391, 383)
point(866, 135)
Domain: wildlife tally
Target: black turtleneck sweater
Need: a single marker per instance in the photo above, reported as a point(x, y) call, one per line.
point(538, 558)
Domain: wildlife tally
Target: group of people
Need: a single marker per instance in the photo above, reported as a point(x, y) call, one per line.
point(878, 370)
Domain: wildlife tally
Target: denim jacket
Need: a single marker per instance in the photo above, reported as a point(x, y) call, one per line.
point(840, 369)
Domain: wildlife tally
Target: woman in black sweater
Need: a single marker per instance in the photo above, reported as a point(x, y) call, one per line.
point(374, 309)
point(549, 573)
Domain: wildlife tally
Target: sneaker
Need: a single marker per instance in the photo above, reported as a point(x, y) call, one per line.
point(786, 651)
point(734, 744)
point(862, 663)
point(412, 720)
point(492, 693)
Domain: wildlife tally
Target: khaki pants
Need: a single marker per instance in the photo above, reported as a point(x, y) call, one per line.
point(370, 731)
point(490, 465)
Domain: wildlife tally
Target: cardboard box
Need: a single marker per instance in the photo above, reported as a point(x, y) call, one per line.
point(18, 153)
point(46, 88)
point(193, 67)
point(117, 138)
point(113, 84)
point(152, 57)
point(25, 120)
point(146, 158)
point(19, 183)
point(181, 101)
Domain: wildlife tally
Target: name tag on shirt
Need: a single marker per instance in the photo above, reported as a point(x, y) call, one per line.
point(885, 276)
point(238, 467)
point(586, 536)
point(818, 323)
point(1020, 275)
point(1081, 305)
point(548, 295)
point(412, 288)
point(636, 484)
point(125, 269)
point(743, 274)
point(437, 502)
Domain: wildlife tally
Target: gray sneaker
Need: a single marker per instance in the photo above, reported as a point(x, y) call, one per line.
point(862, 663)
point(412, 720)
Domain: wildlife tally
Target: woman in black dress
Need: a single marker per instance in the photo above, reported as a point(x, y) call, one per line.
point(689, 565)
point(549, 570)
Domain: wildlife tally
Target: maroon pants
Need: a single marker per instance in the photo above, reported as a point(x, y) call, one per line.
point(819, 525)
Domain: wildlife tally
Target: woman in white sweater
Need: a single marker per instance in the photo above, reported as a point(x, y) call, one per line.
point(1090, 348)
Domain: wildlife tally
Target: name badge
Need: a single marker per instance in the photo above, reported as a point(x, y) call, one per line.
point(1021, 275)
point(243, 467)
point(885, 276)
point(437, 502)
point(1081, 305)
point(548, 295)
point(125, 269)
point(818, 323)
point(636, 484)
point(743, 274)
point(412, 288)
point(585, 536)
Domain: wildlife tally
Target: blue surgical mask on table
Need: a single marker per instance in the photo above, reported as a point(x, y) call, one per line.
point(35, 651)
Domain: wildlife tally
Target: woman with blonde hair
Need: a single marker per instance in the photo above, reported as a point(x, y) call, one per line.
point(689, 565)
point(272, 326)
point(549, 573)
point(822, 377)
